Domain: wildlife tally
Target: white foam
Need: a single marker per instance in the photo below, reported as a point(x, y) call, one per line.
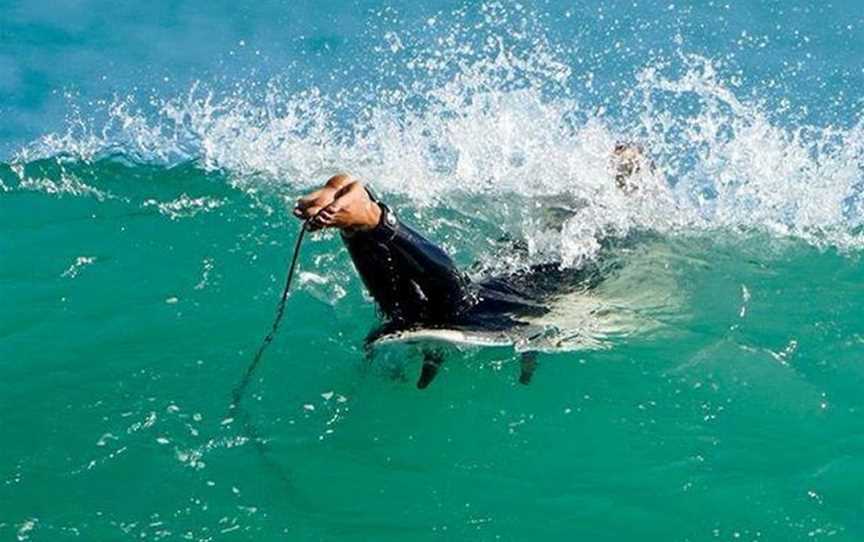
point(79, 263)
point(184, 206)
point(497, 115)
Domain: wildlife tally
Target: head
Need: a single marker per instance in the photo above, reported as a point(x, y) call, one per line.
point(626, 163)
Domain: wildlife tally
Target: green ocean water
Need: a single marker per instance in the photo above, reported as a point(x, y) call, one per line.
point(738, 415)
point(149, 159)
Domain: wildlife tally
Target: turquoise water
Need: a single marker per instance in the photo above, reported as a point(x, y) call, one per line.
point(150, 156)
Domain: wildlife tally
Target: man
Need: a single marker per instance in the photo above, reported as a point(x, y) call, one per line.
point(415, 283)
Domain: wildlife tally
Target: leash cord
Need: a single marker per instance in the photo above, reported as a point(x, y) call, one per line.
point(239, 390)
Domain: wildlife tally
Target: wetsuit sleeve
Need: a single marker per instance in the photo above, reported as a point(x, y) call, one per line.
point(416, 251)
point(408, 258)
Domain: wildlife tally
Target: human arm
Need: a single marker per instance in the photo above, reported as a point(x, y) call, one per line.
point(400, 267)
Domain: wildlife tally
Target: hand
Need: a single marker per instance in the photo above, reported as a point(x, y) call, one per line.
point(311, 204)
point(352, 208)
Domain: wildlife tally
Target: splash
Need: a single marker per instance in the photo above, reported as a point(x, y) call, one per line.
point(80, 262)
point(184, 206)
point(492, 110)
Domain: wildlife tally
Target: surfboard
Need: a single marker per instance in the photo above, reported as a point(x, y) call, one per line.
point(434, 343)
point(536, 337)
point(621, 307)
point(525, 338)
point(457, 337)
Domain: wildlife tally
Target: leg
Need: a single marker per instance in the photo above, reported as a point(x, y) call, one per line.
point(528, 363)
point(432, 361)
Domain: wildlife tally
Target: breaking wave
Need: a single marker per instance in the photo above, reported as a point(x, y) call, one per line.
point(498, 116)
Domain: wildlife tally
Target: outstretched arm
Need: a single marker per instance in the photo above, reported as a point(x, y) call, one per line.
point(374, 235)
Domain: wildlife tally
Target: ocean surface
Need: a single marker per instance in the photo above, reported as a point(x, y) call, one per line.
point(150, 154)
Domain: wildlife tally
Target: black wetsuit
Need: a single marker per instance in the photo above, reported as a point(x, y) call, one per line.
point(415, 283)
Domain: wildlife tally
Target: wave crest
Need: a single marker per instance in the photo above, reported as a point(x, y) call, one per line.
point(501, 114)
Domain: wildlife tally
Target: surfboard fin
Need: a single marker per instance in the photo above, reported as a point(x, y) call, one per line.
point(432, 361)
point(528, 363)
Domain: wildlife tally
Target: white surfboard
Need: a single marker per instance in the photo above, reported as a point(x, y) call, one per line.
point(458, 337)
point(521, 338)
point(577, 321)
point(622, 306)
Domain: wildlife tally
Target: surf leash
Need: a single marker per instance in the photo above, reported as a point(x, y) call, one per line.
point(239, 390)
point(248, 429)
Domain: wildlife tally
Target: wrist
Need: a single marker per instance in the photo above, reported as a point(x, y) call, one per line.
point(371, 217)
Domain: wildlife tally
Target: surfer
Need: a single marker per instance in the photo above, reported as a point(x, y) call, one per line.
point(415, 283)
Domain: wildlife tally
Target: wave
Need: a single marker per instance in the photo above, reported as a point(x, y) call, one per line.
point(497, 116)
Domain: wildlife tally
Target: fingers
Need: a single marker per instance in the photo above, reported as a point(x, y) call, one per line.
point(303, 207)
point(342, 201)
point(307, 200)
point(327, 207)
point(305, 213)
point(318, 220)
point(308, 205)
point(327, 217)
